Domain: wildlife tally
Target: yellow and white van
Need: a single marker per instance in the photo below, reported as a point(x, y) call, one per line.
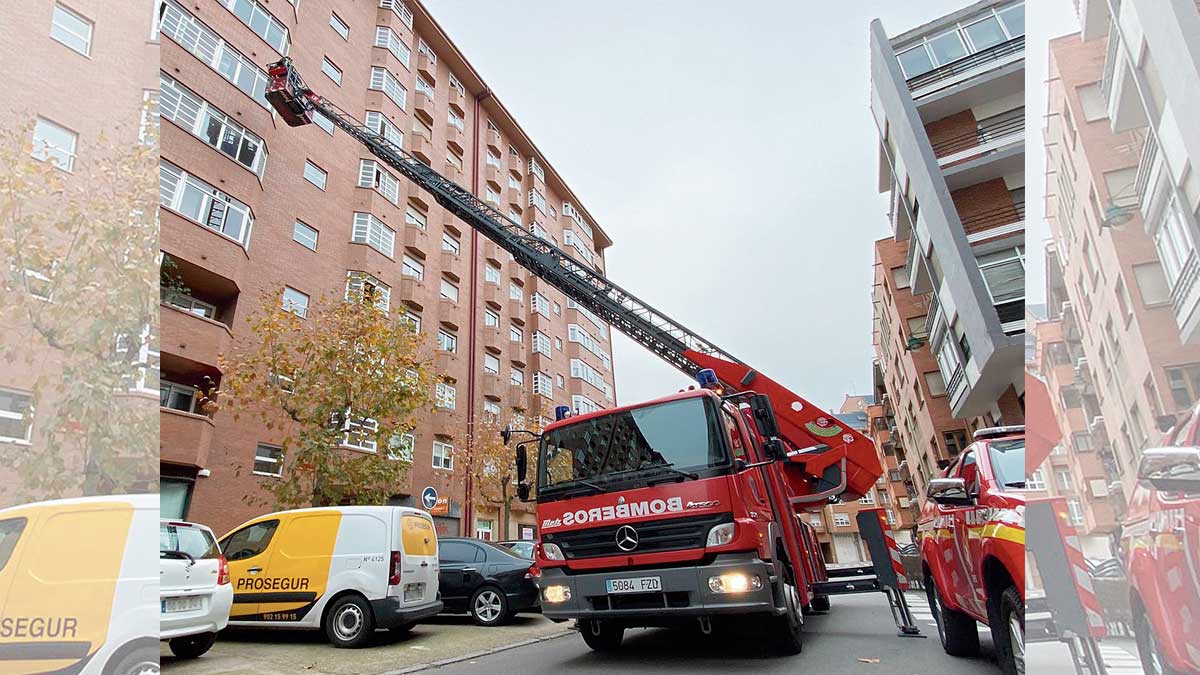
point(344, 569)
point(79, 586)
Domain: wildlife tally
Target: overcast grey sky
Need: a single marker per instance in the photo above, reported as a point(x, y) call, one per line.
point(729, 152)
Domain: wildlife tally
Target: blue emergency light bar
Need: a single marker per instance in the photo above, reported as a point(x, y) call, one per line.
point(561, 412)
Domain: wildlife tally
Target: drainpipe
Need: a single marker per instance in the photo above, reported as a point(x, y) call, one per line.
point(468, 509)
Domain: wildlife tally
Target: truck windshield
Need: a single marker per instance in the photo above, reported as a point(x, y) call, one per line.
point(1008, 462)
point(669, 438)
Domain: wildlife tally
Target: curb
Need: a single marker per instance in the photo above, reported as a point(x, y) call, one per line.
point(474, 655)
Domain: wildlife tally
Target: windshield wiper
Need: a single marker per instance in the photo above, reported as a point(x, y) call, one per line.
point(669, 467)
point(182, 555)
point(1015, 484)
point(568, 485)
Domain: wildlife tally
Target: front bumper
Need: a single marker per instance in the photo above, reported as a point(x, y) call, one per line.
point(685, 593)
point(389, 613)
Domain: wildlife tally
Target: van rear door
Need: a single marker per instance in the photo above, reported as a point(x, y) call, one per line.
point(418, 559)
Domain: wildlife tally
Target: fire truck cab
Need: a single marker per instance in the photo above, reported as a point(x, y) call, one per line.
point(972, 540)
point(1160, 545)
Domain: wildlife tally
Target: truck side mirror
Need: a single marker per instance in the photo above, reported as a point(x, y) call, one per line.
point(506, 434)
point(1171, 469)
point(764, 416)
point(523, 491)
point(950, 492)
point(522, 463)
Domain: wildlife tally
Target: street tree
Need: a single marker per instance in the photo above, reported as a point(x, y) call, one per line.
point(79, 303)
point(492, 466)
point(337, 388)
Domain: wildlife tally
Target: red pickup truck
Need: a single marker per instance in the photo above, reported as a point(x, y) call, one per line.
point(972, 541)
point(1160, 545)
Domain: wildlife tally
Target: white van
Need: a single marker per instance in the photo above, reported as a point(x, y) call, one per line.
point(344, 569)
point(78, 585)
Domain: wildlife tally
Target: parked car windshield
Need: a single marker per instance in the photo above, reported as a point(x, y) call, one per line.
point(194, 542)
point(680, 435)
point(1008, 462)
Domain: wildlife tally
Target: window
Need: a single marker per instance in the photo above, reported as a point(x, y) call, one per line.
point(540, 304)
point(515, 292)
point(1063, 479)
point(323, 122)
point(315, 174)
point(515, 334)
point(449, 290)
point(55, 143)
point(446, 395)
point(491, 364)
point(1075, 509)
point(332, 71)
point(399, 8)
point(841, 520)
point(900, 277)
point(974, 34)
point(516, 376)
point(868, 498)
point(562, 383)
point(371, 174)
point(537, 199)
point(383, 80)
point(1173, 241)
point(1095, 107)
point(423, 48)
point(543, 385)
point(490, 318)
point(583, 404)
point(1152, 284)
point(1036, 481)
point(447, 341)
point(490, 194)
point(449, 243)
point(268, 461)
point(361, 287)
point(339, 26)
point(541, 343)
point(424, 87)
point(491, 408)
point(457, 85)
point(483, 529)
point(443, 456)
point(250, 541)
point(295, 302)
point(1004, 275)
point(583, 371)
point(71, 29)
point(198, 201)
point(1184, 384)
point(373, 232)
point(413, 320)
point(400, 447)
point(536, 169)
point(380, 124)
point(412, 268)
point(198, 117)
point(1081, 441)
point(360, 433)
point(491, 273)
point(414, 217)
point(206, 45)
point(176, 396)
point(264, 25)
point(189, 304)
point(937, 386)
point(493, 158)
point(453, 158)
point(304, 235)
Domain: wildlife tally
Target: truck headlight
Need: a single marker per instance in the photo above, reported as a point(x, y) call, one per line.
point(552, 552)
point(735, 582)
point(720, 535)
point(556, 593)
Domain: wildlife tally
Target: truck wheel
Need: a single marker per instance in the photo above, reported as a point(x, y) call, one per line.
point(957, 631)
point(192, 646)
point(601, 636)
point(1009, 632)
point(349, 622)
point(820, 603)
point(787, 631)
point(1154, 661)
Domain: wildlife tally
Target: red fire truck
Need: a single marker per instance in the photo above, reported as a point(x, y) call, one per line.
point(972, 541)
point(1160, 544)
point(692, 498)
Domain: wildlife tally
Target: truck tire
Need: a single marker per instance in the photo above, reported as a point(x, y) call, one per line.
point(192, 646)
point(957, 631)
point(1009, 632)
point(349, 623)
point(1154, 662)
point(820, 603)
point(601, 636)
point(787, 631)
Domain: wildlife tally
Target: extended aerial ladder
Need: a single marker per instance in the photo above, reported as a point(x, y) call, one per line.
point(835, 460)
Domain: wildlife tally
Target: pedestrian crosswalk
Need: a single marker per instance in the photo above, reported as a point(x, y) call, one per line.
point(1118, 660)
point(918, 604)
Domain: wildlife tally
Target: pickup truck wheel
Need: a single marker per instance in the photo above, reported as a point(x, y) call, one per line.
point(349, 622)
point(957, 631)
point(787, 631)
point(601, 636)
point(1154, 661)
point(192, 646)
point(1009, 632)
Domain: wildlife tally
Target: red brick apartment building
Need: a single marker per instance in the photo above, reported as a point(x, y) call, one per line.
point(79, 73)
point(250, 205)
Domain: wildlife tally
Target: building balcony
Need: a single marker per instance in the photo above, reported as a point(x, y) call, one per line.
point(453, 173)
point(444, 361)
point(518, 352)
point(416, 237)
point(421, 146)
point(457, 98)
point(424, 106)
point(1012, 316)
point(516, 397)
point(184, 438)
point(193, 337)
point(990, 138)
point(966, 69)
point(1185, 298)
point(492, 251)
point(516, 310)
point(995, 223)
point(427, 66)
point(493, 340)
point(493, 140)
point(492, 386)
point(1149, 173)
point(447, 309)
point(412, 290)
point(494, 175)
point(514, 197)
point(455, 138)
point(451, 261)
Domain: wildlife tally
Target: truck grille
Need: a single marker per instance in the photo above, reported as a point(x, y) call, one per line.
point(672, 534)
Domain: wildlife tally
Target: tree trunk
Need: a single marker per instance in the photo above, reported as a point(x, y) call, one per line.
point(503, 511)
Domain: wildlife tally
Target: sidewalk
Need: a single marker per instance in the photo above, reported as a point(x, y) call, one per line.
point(287, 652)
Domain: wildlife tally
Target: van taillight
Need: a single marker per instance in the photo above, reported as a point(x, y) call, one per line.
point(222, 570)
point(394, 573)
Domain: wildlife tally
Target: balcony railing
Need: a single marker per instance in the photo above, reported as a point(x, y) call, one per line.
point(980, 225)
point(966, 63)
point(1012, 316)
point(1145, 168)
point(1110, 60)
point(979, 136)
point(1187, 279)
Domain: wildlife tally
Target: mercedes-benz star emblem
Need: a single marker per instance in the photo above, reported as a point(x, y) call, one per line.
point(627, 538)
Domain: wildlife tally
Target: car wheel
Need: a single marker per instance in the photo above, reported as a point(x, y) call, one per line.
point(1149, 648)
point(349, 622)
point(601, 636)
point(957, 631)
point(141, 661)
point(1008, 632)
point(192, 646)
point(489, 606)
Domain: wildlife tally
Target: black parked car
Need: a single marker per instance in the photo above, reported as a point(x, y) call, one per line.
point(484, 580)
point(521, 547)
